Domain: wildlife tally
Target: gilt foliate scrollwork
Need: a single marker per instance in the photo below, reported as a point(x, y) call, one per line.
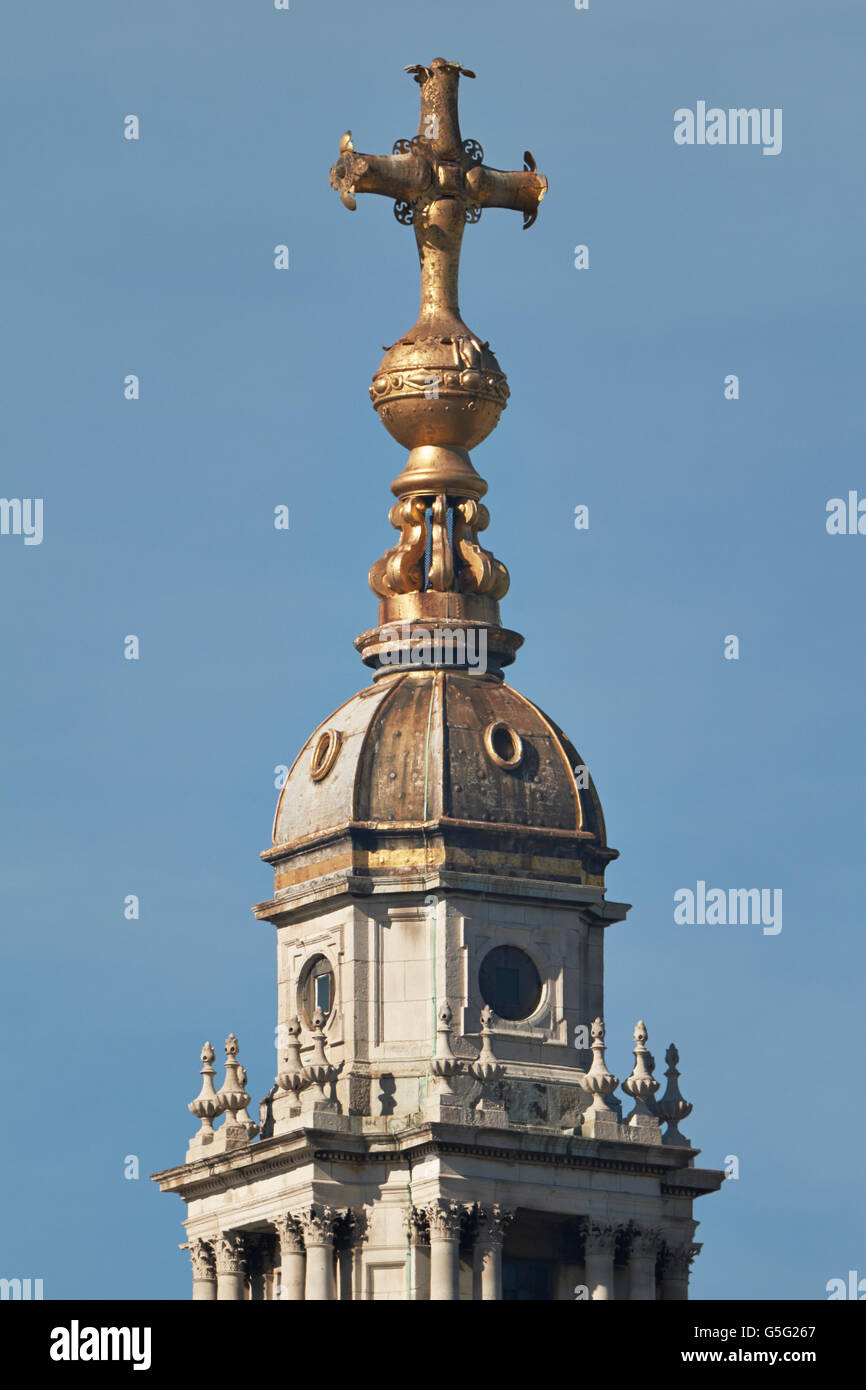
point(480, 572)
point(441, 573)
point(457, 563)
point(401, 569)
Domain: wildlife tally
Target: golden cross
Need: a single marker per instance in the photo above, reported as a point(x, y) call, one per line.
point(439, 183)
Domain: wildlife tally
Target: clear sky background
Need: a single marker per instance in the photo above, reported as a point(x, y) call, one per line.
point(707, 518)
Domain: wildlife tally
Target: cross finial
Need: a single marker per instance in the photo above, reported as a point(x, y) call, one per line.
point(439, 390)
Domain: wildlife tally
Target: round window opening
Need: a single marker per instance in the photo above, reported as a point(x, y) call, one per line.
point(504, 746)
point(316, 988)
point(325, 751)
point(509, 982)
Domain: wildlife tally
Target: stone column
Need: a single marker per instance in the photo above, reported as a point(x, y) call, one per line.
point(643, 1252)
point(204, 1286)
point(676, 1263)
point(492, 1225)
point(258, 1266)
point(600, 1245)
point(230, 1266)
point(445, 1220)
point(419, 1238)
point(350, 1230)
point(293, 1257)
point(270, 1268)
point(318, 1223)
point(267, 1263)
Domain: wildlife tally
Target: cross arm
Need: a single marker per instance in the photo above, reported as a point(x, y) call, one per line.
point(521, 190)
point(402, 176)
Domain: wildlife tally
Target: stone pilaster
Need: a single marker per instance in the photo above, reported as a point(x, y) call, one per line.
point(204, 1279)
point(230, 1266)
point(350, 1232)
point(419, 1240)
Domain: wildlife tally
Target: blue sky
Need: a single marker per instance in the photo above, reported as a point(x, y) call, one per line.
point(707, 517)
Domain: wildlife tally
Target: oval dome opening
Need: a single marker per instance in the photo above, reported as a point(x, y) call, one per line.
point(504, 746)
point(325, 751)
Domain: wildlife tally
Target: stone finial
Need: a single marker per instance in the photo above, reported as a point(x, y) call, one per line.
point(241, 1117)
point(672, 1107)
point(319, 1071)
point(442, 1102)
point(444, 1065)
point(487, 1070)
point(292, 1077)
point(601, 1120)
point(207, 1104)
point(238, 1127)
point(643, 1122)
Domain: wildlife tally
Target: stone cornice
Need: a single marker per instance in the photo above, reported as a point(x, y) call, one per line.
point(339, 889)
point(700, 1180)
point(264, 1158)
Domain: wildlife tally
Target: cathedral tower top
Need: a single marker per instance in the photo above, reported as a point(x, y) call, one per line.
point(438, 765)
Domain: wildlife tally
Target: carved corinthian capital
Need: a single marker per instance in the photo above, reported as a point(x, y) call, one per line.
point(677, 1259)
point(600, 1237)
point(493, 1222)
point(201, 1254)
point(230, 1253)
point(645, 1242)
point(290, 1234)
point(444, 1219)
point(318, 1224)
point(418, 1222)
point(350, 1228)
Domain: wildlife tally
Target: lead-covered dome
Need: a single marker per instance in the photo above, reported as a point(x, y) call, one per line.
point(432, 768)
